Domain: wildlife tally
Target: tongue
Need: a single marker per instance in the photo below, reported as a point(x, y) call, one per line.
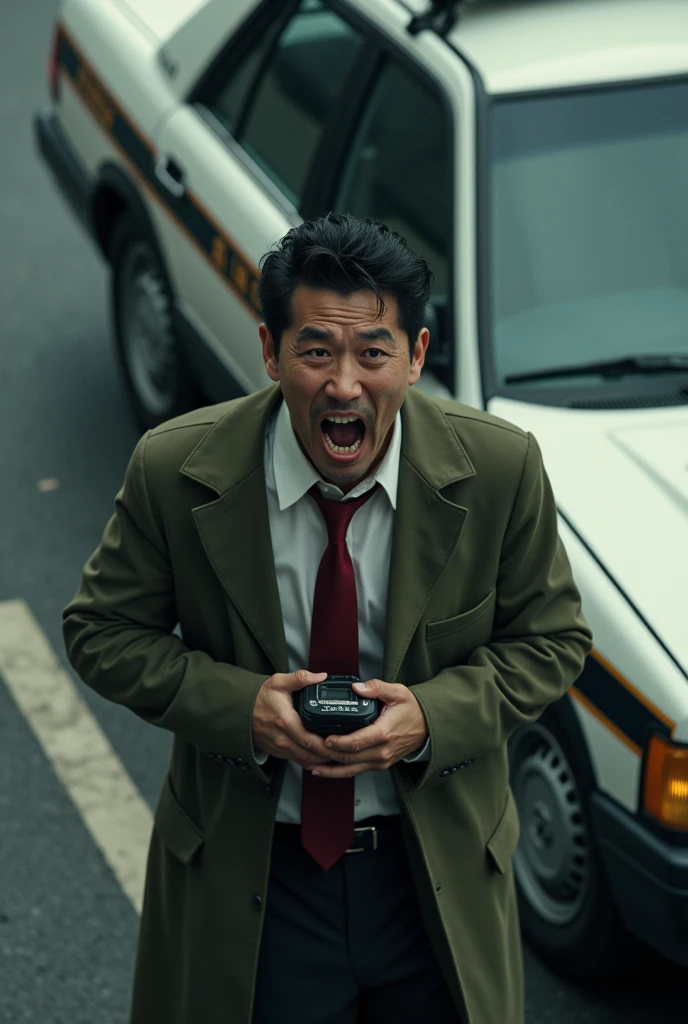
point(343, 434)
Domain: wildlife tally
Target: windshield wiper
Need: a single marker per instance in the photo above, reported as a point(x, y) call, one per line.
point(677, 363)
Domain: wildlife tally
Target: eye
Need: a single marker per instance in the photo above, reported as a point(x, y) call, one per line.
point(317, 352)
point(374, 353)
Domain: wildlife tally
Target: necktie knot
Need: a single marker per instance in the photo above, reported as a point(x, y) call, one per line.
point(338, 514)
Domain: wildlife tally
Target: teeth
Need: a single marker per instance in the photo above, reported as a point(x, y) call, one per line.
point(337, 448)
point(342, 419)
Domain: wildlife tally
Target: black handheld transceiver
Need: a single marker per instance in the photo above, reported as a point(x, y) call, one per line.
point(334, 707)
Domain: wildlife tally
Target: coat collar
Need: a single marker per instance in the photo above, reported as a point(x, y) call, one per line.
point(235, 527)
point(430, 445)
point(233, 447)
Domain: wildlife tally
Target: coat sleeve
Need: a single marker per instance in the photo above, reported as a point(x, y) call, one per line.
point(118, 636)
point(538, 647)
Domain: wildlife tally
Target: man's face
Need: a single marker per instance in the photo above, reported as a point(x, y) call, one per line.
point(339, 361)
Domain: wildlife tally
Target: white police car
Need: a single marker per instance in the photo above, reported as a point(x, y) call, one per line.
point(536, 153)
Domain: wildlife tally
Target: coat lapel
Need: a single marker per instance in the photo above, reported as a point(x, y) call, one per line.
point(235, 528)
point(427, 524)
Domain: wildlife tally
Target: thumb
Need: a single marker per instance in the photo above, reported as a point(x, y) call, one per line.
point(298, 680)
point(386, 692)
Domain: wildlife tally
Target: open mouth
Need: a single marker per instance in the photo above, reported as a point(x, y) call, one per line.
point(343, 434)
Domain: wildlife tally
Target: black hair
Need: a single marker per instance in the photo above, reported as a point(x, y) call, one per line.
point(344, 254)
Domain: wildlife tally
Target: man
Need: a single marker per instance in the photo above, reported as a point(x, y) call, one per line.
point(334, 523)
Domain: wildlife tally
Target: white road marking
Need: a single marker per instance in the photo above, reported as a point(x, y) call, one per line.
point(112, 808)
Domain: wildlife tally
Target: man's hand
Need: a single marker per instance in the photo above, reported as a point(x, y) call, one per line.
point(399, 730)
point(277, 728)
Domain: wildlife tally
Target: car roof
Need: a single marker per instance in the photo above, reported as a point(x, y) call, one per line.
point(522, 45)
point(163, 17)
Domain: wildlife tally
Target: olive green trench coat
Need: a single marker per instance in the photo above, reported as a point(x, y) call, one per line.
point(483, 623)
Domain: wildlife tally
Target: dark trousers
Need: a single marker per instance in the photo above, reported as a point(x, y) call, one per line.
point(346, 946)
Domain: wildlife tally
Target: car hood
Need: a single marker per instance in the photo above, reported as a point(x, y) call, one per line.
point(621, 480)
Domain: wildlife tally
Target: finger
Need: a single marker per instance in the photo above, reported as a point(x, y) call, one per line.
point(344, 771)
point(379, 690)
point(294, 681)
point(287, 750)
point(297, 755)
point(371, 755)
point(308, 763)
point(361, 740)
point(305, 741)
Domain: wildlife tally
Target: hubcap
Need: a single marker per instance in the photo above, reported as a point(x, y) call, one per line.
point(147, 338)
point(552, 859)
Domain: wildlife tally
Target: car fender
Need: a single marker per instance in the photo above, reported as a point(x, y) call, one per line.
point(114, 194)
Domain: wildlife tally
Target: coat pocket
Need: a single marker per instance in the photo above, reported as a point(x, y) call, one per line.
point(445, 627)
point(503, 841)
point(175, 827)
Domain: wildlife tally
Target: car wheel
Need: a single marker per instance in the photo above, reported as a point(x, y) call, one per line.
point(566, 910)
point(158, 380)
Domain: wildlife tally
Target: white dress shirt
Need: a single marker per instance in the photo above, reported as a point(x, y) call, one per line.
point(299, 538)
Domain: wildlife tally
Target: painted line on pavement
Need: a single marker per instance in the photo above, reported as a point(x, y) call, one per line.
point(114, 812)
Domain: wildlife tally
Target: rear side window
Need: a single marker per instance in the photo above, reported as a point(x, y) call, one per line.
point(277, 100)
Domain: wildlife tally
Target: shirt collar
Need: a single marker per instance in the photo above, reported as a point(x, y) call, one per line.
point(294, 474)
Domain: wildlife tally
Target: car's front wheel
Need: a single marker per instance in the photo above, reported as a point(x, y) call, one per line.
point(566, 909)
point(158, 380)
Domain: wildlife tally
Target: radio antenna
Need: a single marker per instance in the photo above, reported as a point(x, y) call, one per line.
point(440, 17)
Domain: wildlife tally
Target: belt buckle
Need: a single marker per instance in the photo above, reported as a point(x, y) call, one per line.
point(362, 849)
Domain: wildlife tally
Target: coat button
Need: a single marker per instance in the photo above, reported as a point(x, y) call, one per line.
point(447, 771)
point(257, 901)
point(268, 790)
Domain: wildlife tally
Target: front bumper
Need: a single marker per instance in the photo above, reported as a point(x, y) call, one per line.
point(67, 170)
point(648, 876)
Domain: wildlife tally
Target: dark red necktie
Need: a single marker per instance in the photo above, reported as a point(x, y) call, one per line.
point(327, 805)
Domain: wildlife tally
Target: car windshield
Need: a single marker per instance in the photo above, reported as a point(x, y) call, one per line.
point(589, 231)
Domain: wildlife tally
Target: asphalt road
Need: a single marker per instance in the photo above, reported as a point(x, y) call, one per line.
point(67, 932)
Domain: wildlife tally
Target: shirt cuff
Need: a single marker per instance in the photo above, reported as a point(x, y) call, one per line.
point(260, 757)
point(422, 755)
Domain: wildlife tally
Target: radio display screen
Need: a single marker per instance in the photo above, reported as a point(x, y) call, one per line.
point(336, 693)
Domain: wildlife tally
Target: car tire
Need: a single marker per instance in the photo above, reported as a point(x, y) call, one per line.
point(158, 379)
point(567, 913)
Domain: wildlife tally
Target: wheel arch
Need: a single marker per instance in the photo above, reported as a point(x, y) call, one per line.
point(114, 195)
point(562, 714)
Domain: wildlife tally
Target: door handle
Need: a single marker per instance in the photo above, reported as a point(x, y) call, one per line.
point(171, 176)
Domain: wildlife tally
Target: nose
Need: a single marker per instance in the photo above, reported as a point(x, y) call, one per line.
point(344, 384)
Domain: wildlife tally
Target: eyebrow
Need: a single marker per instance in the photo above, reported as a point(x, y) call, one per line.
point(321, 334)
point(313, 334)
point(378, 334)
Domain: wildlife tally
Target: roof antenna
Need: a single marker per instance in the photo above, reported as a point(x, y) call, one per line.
point(440, 16)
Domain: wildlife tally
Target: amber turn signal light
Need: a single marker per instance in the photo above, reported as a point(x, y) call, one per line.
point(666, 782)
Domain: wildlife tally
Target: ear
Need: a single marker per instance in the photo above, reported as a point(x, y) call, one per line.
point(418, 358)
point(269, 357)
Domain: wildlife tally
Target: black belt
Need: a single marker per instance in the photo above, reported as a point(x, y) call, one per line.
point(369, 834)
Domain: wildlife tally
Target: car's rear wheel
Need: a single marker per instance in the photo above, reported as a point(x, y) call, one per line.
point(156, 374)
point(566, 909)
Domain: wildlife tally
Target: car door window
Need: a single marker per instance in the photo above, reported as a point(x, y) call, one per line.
point(399, 168)
point(227, 104)
point(295, 90)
